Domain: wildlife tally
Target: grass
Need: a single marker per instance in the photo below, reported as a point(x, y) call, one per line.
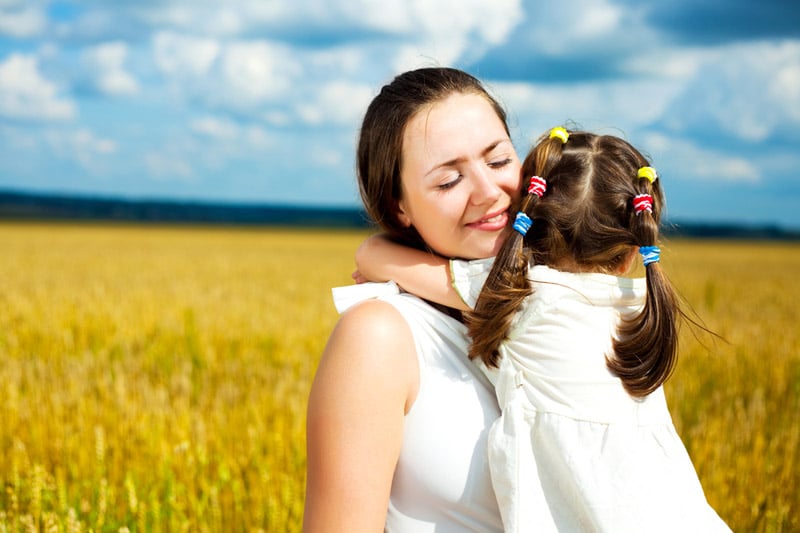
point(155, 378)
point(736, 404)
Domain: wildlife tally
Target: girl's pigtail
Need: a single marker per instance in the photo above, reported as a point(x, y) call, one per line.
point(507, 286)
point(503, 293)
point(645, 351)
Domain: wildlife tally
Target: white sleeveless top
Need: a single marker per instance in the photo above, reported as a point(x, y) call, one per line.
point(441, 483)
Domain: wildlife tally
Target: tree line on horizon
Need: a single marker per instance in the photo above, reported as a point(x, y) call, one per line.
point(30, 206)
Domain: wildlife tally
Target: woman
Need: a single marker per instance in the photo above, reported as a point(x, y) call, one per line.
point(397, 415)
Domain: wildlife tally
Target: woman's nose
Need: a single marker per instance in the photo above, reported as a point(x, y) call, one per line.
point(485, 187)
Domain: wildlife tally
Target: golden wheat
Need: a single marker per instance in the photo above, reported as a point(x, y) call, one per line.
point(155, 378)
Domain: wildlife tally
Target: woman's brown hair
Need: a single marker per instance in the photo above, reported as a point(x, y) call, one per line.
point(585, 222)
point(380, 145)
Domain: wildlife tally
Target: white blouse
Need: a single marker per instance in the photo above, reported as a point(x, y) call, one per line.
point(572, 450)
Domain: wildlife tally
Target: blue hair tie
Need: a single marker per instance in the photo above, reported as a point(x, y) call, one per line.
point(522, 223)
point(650, 254)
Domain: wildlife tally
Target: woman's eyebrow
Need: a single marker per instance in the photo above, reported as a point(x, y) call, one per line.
point(457, 160)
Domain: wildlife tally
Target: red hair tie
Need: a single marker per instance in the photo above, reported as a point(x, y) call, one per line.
point(538, 186)
point(642, 202)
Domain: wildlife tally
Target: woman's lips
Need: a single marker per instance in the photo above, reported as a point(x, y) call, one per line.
point(491, 222)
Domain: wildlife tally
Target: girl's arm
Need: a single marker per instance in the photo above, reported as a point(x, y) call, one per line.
point(424, 274)
point(355, 419)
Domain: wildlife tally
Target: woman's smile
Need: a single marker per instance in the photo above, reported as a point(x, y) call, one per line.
point(491, 222)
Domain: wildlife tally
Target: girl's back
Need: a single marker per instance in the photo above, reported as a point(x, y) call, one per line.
point(573, 451)
point(560, 342)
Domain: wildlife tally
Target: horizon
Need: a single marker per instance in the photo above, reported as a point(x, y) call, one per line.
point(287, 212)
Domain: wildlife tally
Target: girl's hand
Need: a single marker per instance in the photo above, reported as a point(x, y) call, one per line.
point(422, 273)
point(358, 277)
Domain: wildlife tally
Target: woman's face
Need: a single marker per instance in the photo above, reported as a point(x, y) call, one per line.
point(460, 175)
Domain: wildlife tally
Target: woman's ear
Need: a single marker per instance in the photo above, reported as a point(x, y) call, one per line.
point(402, 216)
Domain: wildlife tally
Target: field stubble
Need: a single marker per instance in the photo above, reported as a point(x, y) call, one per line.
point(155, 378)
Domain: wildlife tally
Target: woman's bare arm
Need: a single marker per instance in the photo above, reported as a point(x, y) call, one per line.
point(367, 379)
point(424, 274)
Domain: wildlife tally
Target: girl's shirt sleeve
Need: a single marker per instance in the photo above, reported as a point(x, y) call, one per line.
point(468, 278)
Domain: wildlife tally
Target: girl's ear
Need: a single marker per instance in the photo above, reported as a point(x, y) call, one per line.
point(625, 266)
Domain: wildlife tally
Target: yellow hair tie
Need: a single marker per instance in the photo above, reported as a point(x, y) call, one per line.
point(647, 172)
point(560, 133)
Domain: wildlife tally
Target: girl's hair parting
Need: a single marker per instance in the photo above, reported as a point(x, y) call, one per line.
point(586, 221)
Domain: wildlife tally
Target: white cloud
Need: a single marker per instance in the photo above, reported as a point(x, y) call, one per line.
point(689, 161)
point(91, 152)
point(231, 139)
point(337, 102)
point(215, 128)
point(446, 31)
point(19, 138)
point(209, 19)
point(627, 104)
point(624, 109)
point(748, 91)
point(597, 20)
point(326, 157)
point(784, 89)
point(255, 72)
point(340, 61)
point(725, 168)
point(391, 16)
point(22, 23)
point(258, 137)
point(26, 94)
point(183, 55)
point(107, 62)
point(239, 75)
point(671, 63)
point(489, 21)
point(167, 167)
point(204, 57)
point(79, 141)
point(415, 55)
point(277, 118)
point(596, 26)
point(449, 31)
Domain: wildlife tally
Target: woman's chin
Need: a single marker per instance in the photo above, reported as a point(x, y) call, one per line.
point(490, 247)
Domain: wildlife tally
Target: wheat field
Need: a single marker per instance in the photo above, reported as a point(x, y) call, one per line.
point(155, 378)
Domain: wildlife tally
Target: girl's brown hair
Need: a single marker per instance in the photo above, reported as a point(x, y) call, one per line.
point(585, 222)
point(380, 145)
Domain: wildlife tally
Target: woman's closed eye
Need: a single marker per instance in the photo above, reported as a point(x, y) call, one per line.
point(500, 163)
point(450, 183)
point(494, 164)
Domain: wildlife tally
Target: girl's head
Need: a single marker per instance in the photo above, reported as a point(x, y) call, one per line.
point(601, 202)
point(586, 220)
point(436, 166)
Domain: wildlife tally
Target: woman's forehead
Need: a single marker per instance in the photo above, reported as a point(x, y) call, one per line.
point(458, 127)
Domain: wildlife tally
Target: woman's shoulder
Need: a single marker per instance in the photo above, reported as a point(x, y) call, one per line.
point(374, 323)
point(371, 348)
point(375, 319)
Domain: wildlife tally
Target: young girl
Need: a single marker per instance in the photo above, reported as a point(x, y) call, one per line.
point(578, 354)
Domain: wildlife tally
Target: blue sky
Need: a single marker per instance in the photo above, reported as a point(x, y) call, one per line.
point(260, 101)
